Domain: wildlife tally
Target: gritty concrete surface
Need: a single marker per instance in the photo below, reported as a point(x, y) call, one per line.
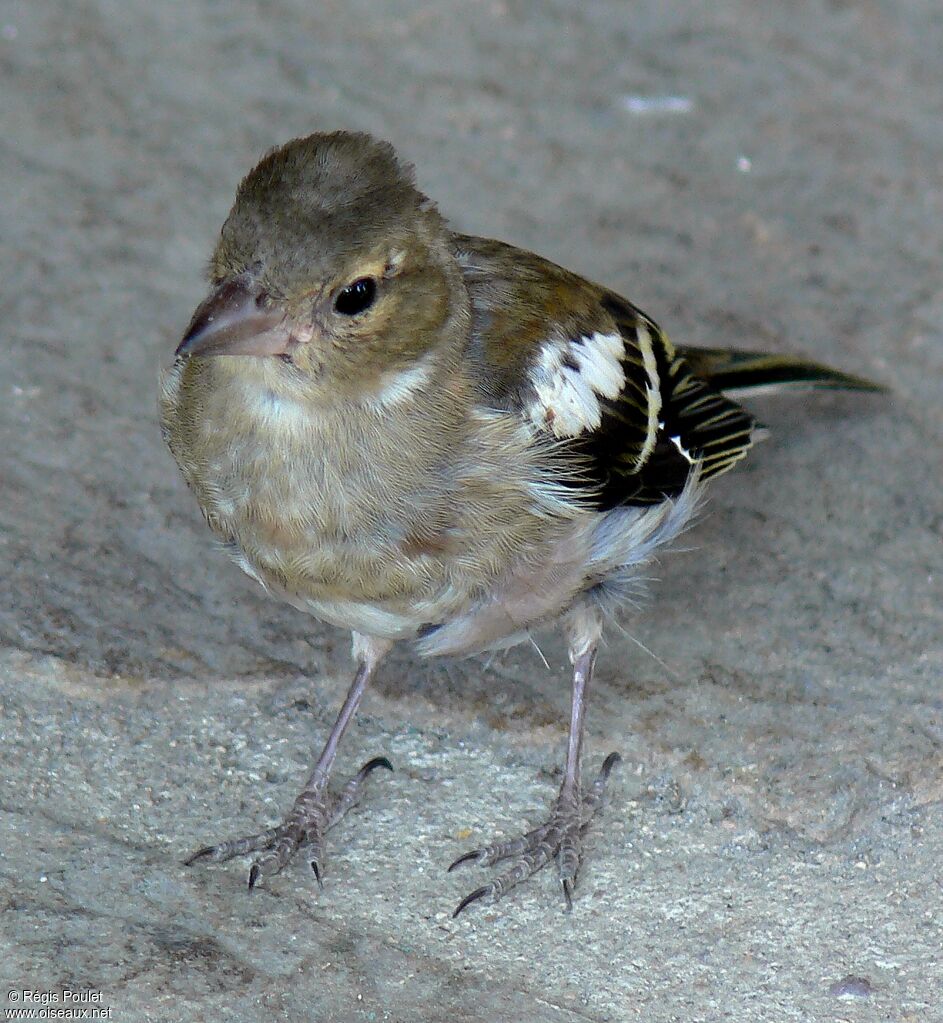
point(771, 850)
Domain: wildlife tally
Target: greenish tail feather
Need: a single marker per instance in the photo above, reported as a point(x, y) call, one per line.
point(729, 369)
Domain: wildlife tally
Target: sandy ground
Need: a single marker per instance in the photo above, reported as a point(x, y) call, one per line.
point(751, 174)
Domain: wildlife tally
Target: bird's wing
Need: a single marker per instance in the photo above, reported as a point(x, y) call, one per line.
point(586, 368)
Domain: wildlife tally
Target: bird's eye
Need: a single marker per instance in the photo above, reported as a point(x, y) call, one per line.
point(356, 297)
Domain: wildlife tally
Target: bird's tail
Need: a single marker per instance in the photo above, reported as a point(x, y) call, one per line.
point(730, 369)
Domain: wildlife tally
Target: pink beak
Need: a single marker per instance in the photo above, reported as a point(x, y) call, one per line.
point(232, 321)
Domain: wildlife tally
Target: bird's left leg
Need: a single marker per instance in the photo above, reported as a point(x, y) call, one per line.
point(316, 809)
point(561, 837)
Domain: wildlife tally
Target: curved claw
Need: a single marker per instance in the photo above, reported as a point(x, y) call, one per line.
point(372, 765)
point(207, 850)
point(478, 893)
point(568, 895)
point(317, 874)
point(464, 858)
point(254, 872)
point(608, 764)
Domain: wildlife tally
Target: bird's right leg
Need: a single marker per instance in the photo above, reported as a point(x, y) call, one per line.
point(316, 809)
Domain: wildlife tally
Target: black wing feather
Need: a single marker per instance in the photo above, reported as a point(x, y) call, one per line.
point(697, 424)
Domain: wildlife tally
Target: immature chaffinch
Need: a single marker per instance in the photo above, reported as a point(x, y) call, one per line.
point(438, 439)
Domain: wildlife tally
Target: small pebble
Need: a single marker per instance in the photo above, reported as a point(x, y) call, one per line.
point(851, 987)
point(657, 104)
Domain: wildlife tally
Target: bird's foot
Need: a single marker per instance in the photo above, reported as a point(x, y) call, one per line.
point(303, 830)
point(561, 837)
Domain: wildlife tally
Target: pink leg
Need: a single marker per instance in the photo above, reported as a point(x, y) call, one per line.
point(561, 837)
point(316, 809)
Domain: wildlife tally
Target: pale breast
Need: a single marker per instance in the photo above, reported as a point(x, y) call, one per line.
point(380, 528)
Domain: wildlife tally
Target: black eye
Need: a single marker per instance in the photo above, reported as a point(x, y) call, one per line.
point(356, 297)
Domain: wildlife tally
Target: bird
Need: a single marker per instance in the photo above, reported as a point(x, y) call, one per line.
point(441, 441)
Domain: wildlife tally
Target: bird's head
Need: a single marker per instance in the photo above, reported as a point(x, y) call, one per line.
point(334, 262)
